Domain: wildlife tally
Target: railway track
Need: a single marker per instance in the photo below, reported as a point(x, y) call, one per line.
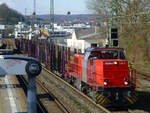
point(45, 87)
point(24, 82)
point(45, 90)
point(104, 110)
point(59, 107)
point(55, 99)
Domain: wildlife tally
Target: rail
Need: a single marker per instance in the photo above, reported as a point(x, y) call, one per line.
point(76, 90)
point(40, 107)
point(56, 100)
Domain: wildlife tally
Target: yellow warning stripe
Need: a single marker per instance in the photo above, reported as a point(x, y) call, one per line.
point(100, 100)
point(98, 97)
point(130, 100)
point(103, 101)
point(134, 99)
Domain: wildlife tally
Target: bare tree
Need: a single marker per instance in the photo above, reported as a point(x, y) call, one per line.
point(133, 21)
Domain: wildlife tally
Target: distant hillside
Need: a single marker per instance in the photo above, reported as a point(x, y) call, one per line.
point(9, 16)
point(72, 18)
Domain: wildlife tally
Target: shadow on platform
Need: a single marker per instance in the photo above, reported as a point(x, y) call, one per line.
point(44, 96)
point(3, 86)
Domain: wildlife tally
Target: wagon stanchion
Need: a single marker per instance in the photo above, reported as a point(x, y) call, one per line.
point(63, 63)
point(54, 58)
point(17, 43)
point(50, 63)
point(33, 48)
point(37, 51)
point(66, 61)
point(59, 59)
point(20, 44)
point(46, 54)
point(49, 56)
point(29, 48)
point(52, 49)
point(40, 52)
point(69, 53)
point(24, 45)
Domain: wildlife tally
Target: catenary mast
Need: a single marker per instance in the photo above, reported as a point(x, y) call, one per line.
point(113, 40)
point(52, 15)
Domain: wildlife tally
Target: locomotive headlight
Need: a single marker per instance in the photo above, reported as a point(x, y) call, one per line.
point(115, 63)
point(126, 81)
point(105, 82)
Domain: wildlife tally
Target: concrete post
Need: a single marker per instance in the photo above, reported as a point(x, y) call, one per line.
point(31, 93)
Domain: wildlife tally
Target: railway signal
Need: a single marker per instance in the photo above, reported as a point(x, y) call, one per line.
point(114, 36)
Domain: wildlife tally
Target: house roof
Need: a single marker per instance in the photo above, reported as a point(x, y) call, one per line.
point(80, 32)
point(88, 33)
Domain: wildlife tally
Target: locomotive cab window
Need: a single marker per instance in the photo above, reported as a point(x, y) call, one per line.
point(107, 54)
point(122, 55)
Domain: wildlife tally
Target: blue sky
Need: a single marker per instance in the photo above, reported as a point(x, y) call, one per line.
point(42, 6)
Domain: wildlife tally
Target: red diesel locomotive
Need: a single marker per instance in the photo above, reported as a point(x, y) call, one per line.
point(104, 75)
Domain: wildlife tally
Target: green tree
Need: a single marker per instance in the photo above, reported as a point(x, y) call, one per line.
point(9, 16)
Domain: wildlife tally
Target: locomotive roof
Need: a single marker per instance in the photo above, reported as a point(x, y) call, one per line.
point(103, 48)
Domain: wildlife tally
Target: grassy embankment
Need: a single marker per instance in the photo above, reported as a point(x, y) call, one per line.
point(138, 51)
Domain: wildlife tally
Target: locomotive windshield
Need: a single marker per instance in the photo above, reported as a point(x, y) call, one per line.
point(108, 54)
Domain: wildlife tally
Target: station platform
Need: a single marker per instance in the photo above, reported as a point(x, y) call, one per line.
point(12, 96)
